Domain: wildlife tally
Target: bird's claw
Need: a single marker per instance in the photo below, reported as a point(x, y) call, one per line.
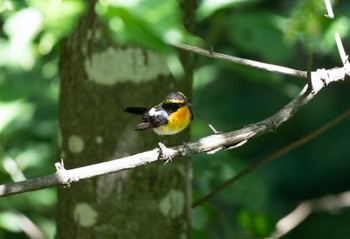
point(187, 150)
point(164, 153)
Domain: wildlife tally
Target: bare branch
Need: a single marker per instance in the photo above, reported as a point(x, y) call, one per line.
point(28, 227)
point(260, 65)
point(343, 55)
point(309, 68)
point(209, 144)
point(304, 209)
point(66, 177)
point(330, 13)
point(326, 77)
point(272, 157)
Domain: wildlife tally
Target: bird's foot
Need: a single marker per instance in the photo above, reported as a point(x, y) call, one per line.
point(187, 151)
point(164, 153)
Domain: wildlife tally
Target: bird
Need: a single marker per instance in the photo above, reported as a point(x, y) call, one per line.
point(169, 117)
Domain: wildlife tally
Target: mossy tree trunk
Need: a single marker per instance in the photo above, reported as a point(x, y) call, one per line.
point(98, 80)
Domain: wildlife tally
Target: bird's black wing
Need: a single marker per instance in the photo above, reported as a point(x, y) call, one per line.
point(136, 110)
point(143, 126)
point(159, 119)
point(140, 111)
point(156, 116)
point(152, 119)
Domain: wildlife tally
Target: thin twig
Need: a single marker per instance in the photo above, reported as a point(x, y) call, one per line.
point(330, 13)
point(28, 227)
point(260, 65)
point(309, 68)
point(343, 56)
point(274, 156)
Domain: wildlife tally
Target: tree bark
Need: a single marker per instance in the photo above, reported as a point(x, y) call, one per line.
point(98, 80)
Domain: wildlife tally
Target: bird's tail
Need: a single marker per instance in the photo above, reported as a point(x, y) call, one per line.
point(136, 110)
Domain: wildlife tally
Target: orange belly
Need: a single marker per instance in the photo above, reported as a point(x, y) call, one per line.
point(177, 122)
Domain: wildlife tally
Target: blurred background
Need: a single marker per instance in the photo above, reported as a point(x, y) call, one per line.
point(226, 95)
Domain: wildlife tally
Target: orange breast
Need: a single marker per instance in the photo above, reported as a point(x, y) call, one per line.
point(177, 122)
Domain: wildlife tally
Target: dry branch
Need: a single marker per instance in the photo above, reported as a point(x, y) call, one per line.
point(272, 157)
point(237, 60)
point(210, 144)
point(330, 203)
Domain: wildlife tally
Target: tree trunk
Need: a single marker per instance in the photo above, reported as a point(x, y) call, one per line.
point(98, 80)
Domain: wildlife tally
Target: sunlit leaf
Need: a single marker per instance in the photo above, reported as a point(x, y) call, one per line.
point(10, 221)
point(17, 110)
point(21, 28)
point(59, 18)
point(307, 23)
point(127, 26)
point(208, 7)
point(34, 28)
point(340, 25)
point(152, 24)
point(260, 224)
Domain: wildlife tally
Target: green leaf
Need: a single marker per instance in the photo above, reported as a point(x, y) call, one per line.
point(247, 30)
point(125, 27)
point(260, 224)
point(209, 7)
point(152, 24)
point(10, 221)
point(307, 23)
point(59, 18)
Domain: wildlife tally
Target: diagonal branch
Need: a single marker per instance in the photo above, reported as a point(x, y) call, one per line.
point(329, 9)
point(210, 144)
point(242, 61)
point(330, 203)
point(346, 70)
point(273, 156)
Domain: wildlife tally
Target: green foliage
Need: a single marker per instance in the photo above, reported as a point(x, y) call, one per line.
point(267, 25)
point(28, 106)
point(307, 21)
point(58, 20)
point(133, 27)
point(32, 28)
point(225, 95)
point(260, 224)
point(28, 144)
point(229, 96)
point(208, 7)
point(308, 24)
point(135, 21)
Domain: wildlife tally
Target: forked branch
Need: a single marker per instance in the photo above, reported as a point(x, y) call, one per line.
point(210, 144)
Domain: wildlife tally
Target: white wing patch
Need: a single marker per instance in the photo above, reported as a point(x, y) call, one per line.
point(156, 112)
